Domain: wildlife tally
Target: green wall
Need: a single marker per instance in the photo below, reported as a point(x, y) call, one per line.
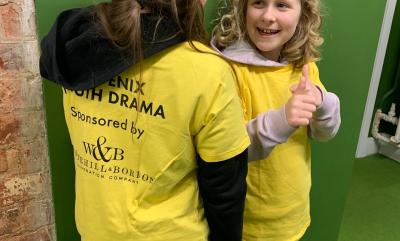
point(351, 34)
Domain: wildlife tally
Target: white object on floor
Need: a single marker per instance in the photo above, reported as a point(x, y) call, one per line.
point(388, 145)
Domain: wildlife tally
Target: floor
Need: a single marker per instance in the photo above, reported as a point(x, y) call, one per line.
point(372, 211)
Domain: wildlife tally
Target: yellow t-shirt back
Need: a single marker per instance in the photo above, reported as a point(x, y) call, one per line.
point(135, 141)
point(277, 201)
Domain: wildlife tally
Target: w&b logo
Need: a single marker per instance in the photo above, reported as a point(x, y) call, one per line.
point(100, 151)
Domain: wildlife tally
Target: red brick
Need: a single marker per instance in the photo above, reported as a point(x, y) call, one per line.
point(38, 214)
point(9, 129)
point(25, 192)
point(25, 218)
point(20, 91)
point(3, 161)
point(20, 188)
point(12, 56)
point(22, 126)
point(34, 157)
point(32, 125)
point(13, 162)
point(10, 17)
point(1, 63)
point(42, 234)
point(10, 96)
point(8, 220)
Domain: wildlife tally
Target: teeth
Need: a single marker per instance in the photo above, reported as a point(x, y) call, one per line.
point(267, 31)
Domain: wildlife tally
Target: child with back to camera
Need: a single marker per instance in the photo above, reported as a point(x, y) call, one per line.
point(272, 45)
point(154, 120)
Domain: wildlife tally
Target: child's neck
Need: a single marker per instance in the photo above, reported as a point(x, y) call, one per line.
point(270, 55)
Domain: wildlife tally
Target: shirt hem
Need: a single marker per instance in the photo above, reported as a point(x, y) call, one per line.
point(294, 238)
point(229, 154)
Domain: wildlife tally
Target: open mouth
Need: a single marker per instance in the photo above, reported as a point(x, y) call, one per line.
point(265, 31)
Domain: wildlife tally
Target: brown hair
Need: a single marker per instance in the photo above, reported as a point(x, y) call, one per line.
point(120, 20)
point(301, 49)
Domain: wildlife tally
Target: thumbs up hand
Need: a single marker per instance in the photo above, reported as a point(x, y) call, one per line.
point(304, 101)
point(305, 86)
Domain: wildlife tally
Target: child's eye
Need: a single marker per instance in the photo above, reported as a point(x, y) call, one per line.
point(282, 5)
point(258, 3)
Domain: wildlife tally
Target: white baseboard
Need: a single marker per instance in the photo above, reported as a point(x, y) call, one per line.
point(366, 147)
point(390, 151)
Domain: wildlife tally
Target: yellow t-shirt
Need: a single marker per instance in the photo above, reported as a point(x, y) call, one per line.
point(277, 202)
point(135, 154)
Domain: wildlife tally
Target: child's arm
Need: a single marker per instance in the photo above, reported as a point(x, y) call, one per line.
point(266, 131)
point(275, 126)
point(222, 187)
point(326, 119)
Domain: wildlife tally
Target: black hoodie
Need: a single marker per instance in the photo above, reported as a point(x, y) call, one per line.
point(77, 55)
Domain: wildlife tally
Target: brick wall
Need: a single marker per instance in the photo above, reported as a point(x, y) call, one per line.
point(26, 210)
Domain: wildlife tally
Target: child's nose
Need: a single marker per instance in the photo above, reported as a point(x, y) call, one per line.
point(269, 14)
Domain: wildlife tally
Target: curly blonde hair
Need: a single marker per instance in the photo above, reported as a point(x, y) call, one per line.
point(301, 49)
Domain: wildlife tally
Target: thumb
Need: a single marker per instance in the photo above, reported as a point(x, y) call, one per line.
point(304, 83)
point(304, 71)
point(301, 86)
point(305, 74)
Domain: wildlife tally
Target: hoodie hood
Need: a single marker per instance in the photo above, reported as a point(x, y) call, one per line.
point(242, 52)
point(77, 55)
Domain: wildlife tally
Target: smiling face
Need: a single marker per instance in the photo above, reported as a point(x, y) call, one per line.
point(271, 23)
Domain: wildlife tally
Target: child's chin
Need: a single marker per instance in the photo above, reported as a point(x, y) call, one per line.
point(265, 49)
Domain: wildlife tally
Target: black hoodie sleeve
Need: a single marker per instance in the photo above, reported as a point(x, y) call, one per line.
point(223, 190)
point(77, 55)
